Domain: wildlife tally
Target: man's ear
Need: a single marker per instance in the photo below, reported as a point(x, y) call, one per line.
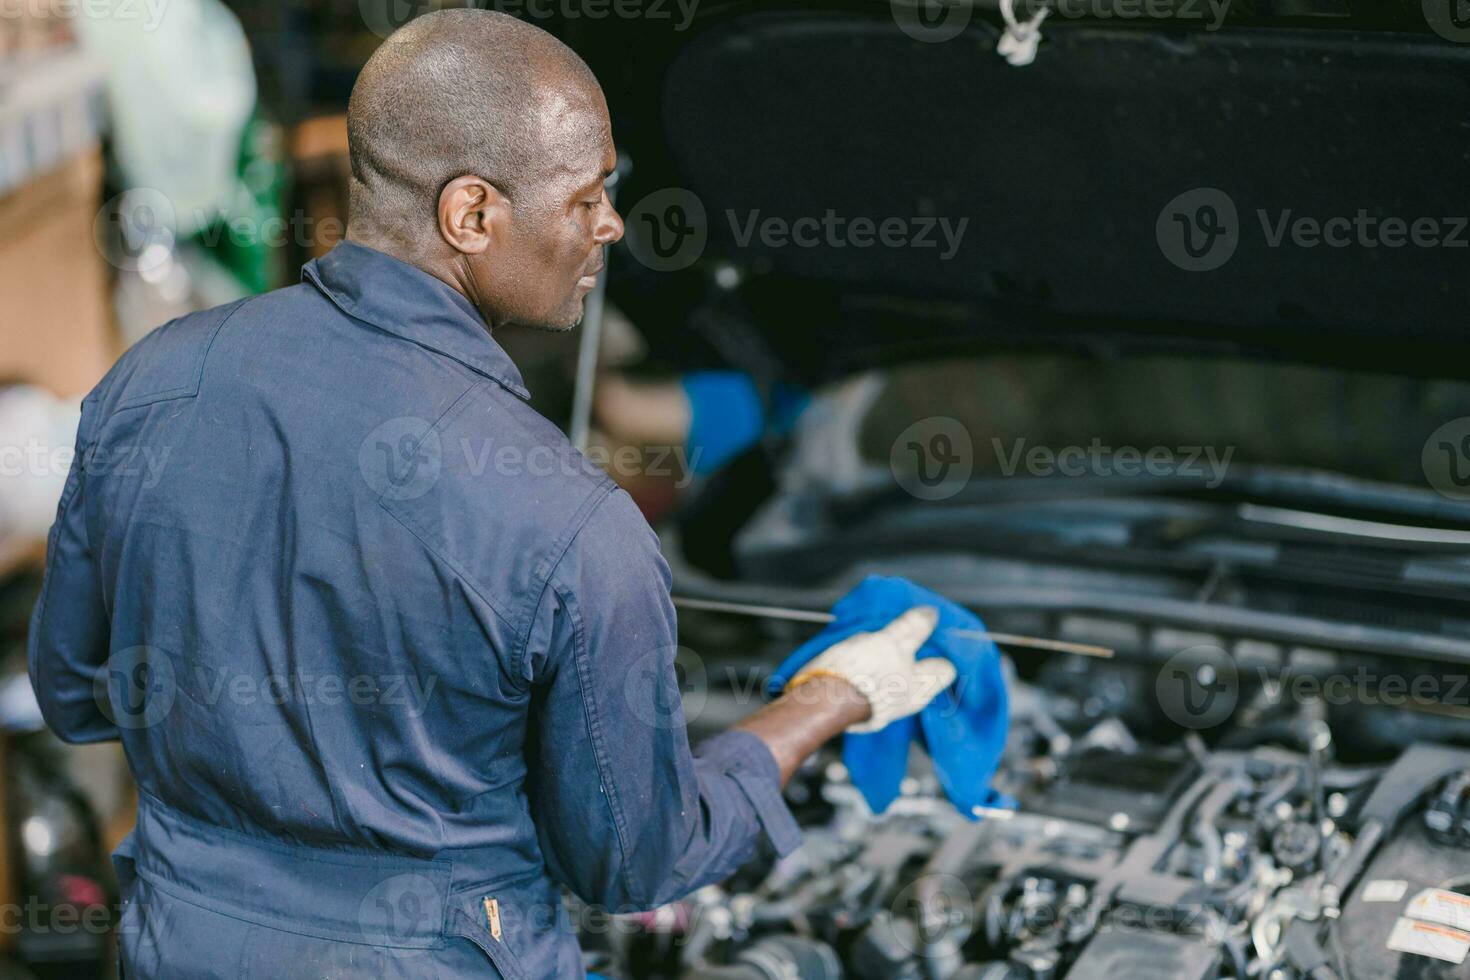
point(472, 214)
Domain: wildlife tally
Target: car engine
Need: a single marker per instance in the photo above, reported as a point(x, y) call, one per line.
point(1260, 855)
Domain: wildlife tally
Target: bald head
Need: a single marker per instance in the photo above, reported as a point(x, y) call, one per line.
point(481, 149)
point(459, 92)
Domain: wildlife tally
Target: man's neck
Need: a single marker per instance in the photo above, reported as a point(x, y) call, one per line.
point(412, 253)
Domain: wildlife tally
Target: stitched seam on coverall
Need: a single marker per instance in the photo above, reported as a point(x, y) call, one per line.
point(599, 742)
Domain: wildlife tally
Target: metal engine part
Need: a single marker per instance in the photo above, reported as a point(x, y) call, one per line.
point(1124, 858)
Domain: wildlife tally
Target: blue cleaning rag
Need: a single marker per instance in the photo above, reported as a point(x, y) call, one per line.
point(963, 729)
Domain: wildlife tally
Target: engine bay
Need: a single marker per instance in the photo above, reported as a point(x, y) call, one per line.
point(1241, 750)
point(1269, 850)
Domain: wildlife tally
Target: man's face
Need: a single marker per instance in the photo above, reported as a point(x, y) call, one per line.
point(553, 246)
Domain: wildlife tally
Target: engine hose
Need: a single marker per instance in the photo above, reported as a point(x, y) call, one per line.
point(1278, 791)
point(988, 971)
point(1238, 891)
point(1288, 732)
point(777, 958)
point(1237, 956)
point(1211, 844)
point(1351, 777)
point(736, 971)
point(993, 906)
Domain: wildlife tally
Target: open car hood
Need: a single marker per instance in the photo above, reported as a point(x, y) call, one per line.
point(1300, 160)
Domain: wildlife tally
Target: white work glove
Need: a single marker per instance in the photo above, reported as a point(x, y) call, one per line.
point(881, 666)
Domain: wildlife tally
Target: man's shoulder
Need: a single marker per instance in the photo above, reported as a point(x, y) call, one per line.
point(166, 363)
point(505, 463)
point(492, 439)
point(169, 361)
point(502, 494)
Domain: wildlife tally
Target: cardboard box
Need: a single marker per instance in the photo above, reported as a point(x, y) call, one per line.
point(56, 328)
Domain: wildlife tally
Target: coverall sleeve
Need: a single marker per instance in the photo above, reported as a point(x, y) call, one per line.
point(70, 629)
point(628, 816)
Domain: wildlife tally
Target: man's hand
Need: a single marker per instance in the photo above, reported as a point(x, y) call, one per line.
point(881, 666)
point(859, 684)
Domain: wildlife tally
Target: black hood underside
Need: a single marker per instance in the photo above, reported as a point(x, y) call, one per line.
point(1061, 176)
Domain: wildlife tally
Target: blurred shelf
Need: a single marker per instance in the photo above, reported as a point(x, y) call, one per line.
point(51, 108)
point(18, 553)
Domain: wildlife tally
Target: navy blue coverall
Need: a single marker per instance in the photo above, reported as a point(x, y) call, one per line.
point(391, 663)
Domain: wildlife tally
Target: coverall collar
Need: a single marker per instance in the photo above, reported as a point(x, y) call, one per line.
point(408, 302)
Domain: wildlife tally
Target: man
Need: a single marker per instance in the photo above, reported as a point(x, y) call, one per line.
point(390, 663)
